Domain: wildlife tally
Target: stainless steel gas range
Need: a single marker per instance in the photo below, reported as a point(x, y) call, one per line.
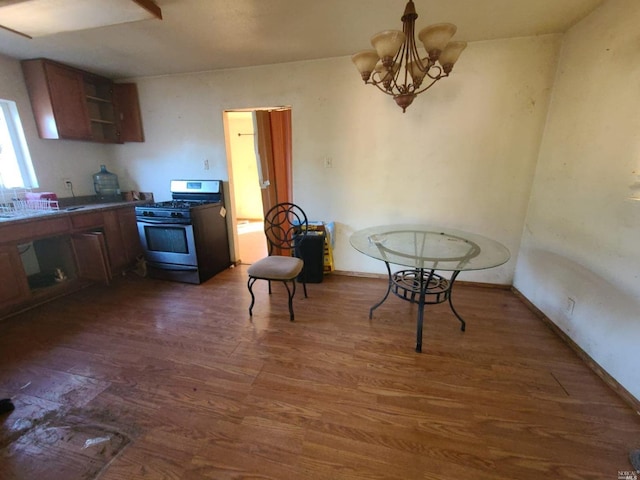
point(185, 239)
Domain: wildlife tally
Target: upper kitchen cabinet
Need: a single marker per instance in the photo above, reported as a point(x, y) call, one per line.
point(73, 104)
point(57, 99)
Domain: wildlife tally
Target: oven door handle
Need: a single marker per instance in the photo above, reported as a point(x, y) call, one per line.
point(163, 221)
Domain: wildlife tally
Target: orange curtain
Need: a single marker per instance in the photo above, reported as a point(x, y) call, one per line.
point(281, 145)
point(274, 149)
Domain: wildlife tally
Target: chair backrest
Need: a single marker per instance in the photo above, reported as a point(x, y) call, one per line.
point(285, 226)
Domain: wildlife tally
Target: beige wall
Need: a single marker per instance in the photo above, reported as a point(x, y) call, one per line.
point(463, 155)
point(582, 232)
point(53, 159)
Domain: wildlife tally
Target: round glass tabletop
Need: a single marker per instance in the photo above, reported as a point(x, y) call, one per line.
point(430, 247)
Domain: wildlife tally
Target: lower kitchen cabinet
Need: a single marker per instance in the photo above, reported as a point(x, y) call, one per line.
point(115, 237)
point(38, 270)
point(94, 246)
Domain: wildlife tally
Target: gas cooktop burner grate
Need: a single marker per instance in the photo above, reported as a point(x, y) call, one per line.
point(178, 204)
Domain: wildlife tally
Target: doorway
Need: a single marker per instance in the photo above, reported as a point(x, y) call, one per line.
point(258, 144)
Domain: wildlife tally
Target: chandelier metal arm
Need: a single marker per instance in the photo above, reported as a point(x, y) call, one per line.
point(377, 85)
point(433, 82)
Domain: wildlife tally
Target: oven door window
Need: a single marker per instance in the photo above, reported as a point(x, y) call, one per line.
point(167, 239)
point(168, 243)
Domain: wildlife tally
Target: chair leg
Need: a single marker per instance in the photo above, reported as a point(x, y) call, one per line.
point(250, 283)
point(291, 292)
point(269, 281)
point(304, 287)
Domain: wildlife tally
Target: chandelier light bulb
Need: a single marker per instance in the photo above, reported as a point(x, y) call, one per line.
point(365, 62)
point(387, 44)
point(450, 54)
point(436, 37)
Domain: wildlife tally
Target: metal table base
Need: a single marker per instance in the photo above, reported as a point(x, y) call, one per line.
point(421, 286)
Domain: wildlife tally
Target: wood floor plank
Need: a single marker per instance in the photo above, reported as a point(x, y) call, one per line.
point(196, 389)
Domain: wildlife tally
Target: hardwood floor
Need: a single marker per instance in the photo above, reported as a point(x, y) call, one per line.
point(159, 380)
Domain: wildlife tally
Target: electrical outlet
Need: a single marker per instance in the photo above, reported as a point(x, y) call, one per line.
point(206, 164)
point(328, 162)
point(67, 184)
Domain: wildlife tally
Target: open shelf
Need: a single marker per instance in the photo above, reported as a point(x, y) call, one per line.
point(91, 98)
point(105, 122)
point(102, 115)
point(48, 262)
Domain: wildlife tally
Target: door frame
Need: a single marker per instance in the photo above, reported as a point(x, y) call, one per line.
point(280, 171)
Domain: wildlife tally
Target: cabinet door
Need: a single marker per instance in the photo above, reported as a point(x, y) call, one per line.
point(130, 235)
point(125, 97)
point(123, 241)
point(57, 100)
point(13, 287)
point(66, 88)
point(115, 244)
point(91, 256)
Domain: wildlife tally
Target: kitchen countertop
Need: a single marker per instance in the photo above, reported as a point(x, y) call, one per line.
point(19, 217)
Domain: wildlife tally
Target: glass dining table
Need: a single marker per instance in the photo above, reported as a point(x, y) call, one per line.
point(422, 250)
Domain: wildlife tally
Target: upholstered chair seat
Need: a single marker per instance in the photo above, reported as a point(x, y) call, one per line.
point(276, 267)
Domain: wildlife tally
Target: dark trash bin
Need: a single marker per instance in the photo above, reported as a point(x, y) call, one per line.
point(311, 251)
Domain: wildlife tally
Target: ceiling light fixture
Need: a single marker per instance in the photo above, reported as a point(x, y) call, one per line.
point(39, 18)
point(396, 67)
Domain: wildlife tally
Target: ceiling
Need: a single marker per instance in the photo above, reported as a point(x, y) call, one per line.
point(200, 35)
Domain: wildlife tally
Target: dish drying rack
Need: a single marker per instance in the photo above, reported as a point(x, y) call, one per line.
point(20, 202)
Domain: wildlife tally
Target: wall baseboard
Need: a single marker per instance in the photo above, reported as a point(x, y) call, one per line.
point(348, 273)
point(584, 356)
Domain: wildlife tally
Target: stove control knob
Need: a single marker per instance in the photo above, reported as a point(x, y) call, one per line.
point(147, 213)
point(177, 214)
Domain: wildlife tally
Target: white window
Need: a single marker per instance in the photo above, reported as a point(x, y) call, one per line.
point(16, 169)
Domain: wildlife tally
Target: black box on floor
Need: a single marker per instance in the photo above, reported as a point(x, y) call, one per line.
point(311, 251)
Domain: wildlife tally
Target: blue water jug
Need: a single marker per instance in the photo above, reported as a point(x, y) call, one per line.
point(106, 184)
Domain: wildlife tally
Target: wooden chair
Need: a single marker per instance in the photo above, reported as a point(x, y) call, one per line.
point(285, 226)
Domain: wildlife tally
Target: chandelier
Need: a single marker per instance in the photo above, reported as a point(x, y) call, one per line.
point(395, 66)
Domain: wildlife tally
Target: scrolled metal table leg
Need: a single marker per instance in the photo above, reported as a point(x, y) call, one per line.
point(385, 295)
point(463, 325)
point(420, 322)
